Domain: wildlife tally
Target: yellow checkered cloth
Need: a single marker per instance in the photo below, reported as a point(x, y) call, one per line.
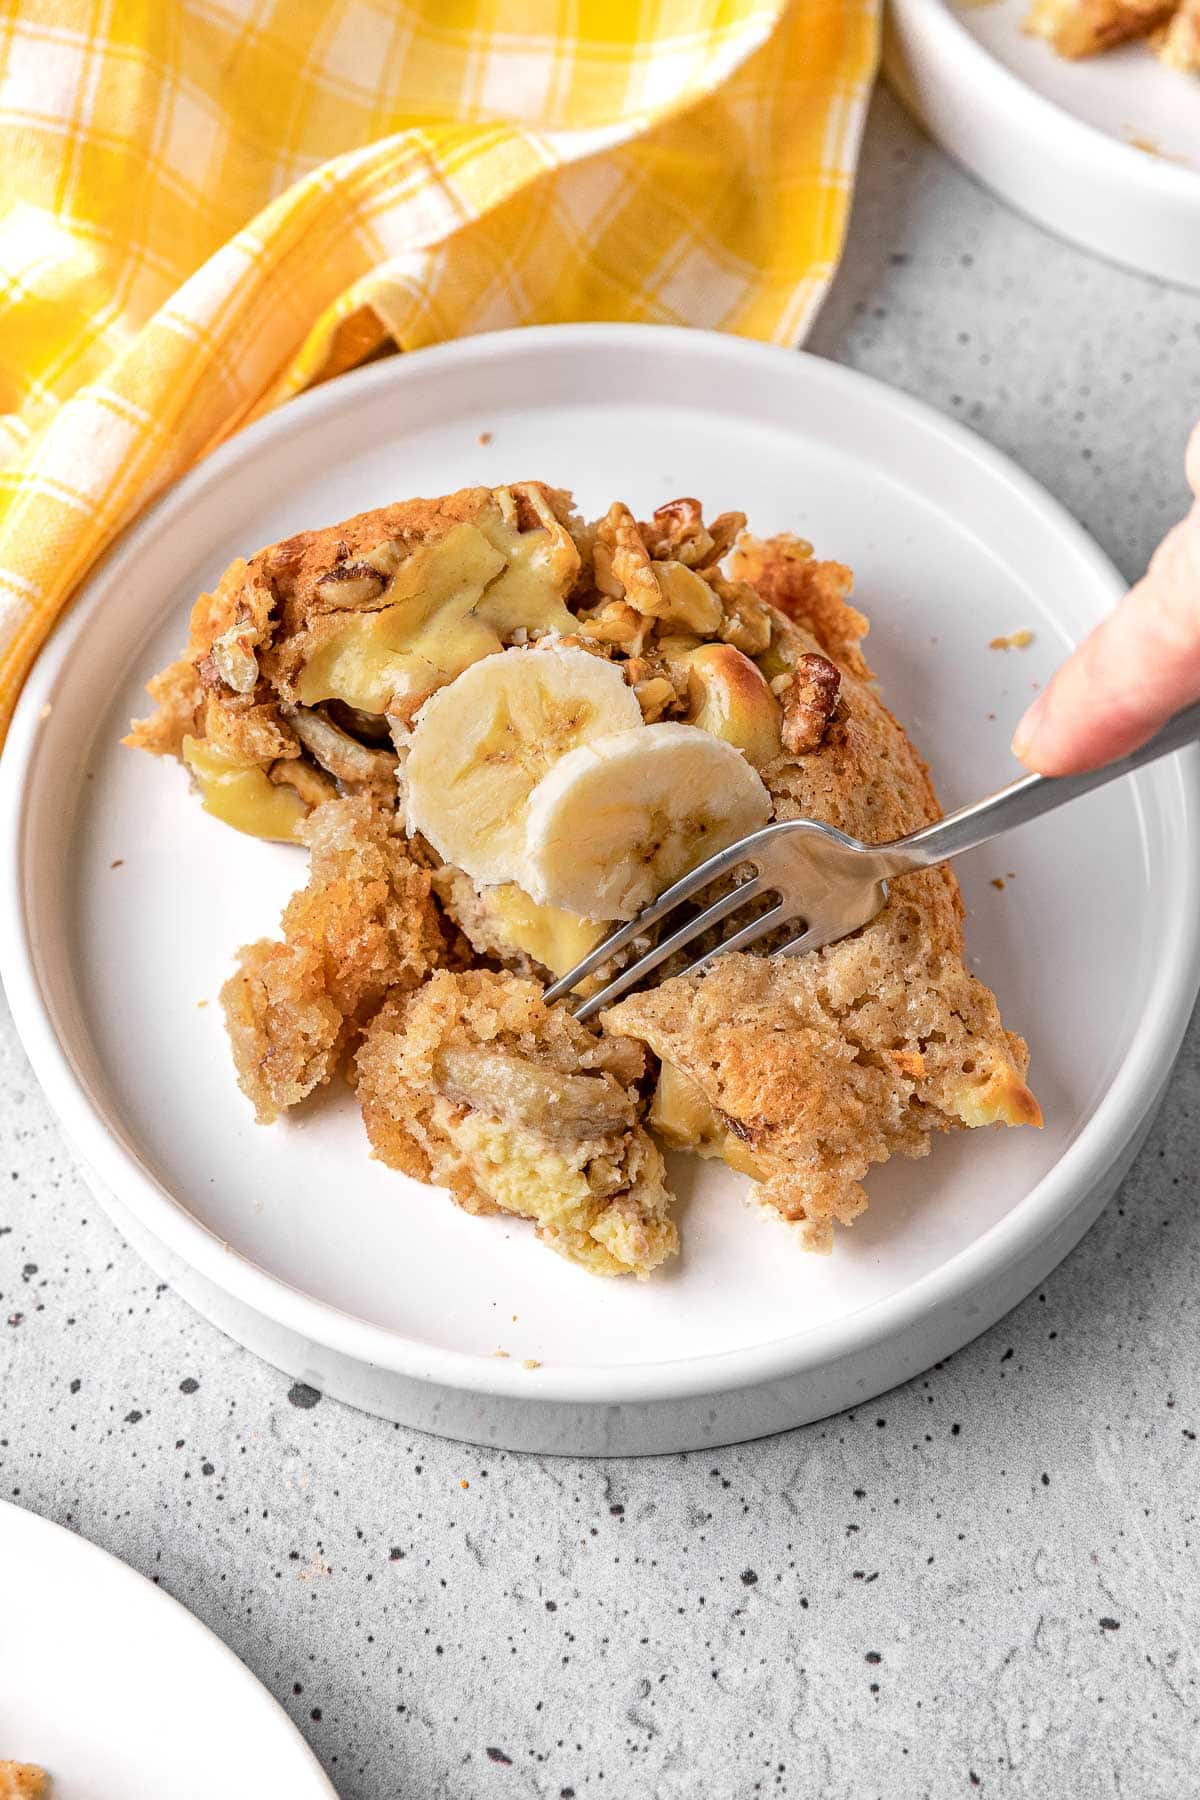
point(208, 205)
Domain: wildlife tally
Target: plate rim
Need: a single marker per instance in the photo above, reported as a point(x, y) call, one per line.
point(1043, 1208)
point(939, 21)
point(25, 1519)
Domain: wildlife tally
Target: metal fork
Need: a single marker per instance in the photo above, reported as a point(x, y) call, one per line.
point(829, 883)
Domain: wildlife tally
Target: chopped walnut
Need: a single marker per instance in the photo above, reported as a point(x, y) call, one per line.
point(685, 599)
point(746, 623)
point(723, 531)
point(576, 640)
point(620, 564)
point(652, 682)
point(809, 697)
point(350, 584)
point(643, 668)
point(615, 622)
point(654, 697)
point(359, 581)
point(674, 652)
point(677, 534)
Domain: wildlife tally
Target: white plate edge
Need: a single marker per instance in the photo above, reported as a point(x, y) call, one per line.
point(1054, 124)
point(37, 1524)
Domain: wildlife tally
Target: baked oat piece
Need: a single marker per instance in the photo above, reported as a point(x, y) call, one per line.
point(1179, 44)
point(466, 652)
point(475, 1083)
point(1077, 28)
point(364, 927)
point(22, 1781)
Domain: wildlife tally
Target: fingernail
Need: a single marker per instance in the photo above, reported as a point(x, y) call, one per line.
point(1027, 730)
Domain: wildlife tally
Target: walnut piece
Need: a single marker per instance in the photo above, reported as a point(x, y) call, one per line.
point(677, 534)
point(615, 622)
point(746, 623)
point(654, 696)
point(809, 696)
point(620, 564)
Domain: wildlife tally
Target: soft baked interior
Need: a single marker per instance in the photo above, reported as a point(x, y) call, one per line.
point(472, 1081)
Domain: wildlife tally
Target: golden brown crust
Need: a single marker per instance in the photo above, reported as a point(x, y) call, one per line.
point(22, 1781)
point(295, 567)
point(475, 1082)
point(365, 926)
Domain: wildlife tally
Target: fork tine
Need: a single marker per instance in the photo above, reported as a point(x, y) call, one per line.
point(812, 939)
point(719, 864)
point(684, 934)
point(741, 940)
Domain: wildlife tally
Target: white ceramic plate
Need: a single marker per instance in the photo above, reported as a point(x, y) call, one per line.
point(1105, 151)
point(120, 1693)
point(122, 904)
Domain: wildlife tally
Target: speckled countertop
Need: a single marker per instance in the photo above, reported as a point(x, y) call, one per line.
point(986, 1583)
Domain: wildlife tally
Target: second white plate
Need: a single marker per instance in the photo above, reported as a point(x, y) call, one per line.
point(1104, 151)
point(119, 1693)
point(121, 905)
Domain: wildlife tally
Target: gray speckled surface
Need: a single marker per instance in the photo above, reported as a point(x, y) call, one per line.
point(985, 1583)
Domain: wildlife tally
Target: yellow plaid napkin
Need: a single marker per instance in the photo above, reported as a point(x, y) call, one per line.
point(207, 205)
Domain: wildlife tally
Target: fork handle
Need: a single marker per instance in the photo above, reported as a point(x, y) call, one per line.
point(1026, 799)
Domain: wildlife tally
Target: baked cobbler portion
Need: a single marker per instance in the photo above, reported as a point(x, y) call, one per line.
point(364, 927)
point(23, 1781)
point(499, 729)
point(1078, 28)
point(475, 1083)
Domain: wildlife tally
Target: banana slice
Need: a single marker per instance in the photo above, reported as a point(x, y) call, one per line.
point(616, 821)
point(482, 744)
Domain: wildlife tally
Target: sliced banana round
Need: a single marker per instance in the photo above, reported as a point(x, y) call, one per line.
point(481, 745)
point(619, 819)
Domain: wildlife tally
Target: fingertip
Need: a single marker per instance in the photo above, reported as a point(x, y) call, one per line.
point(1192, 462)
point(1025, 736)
